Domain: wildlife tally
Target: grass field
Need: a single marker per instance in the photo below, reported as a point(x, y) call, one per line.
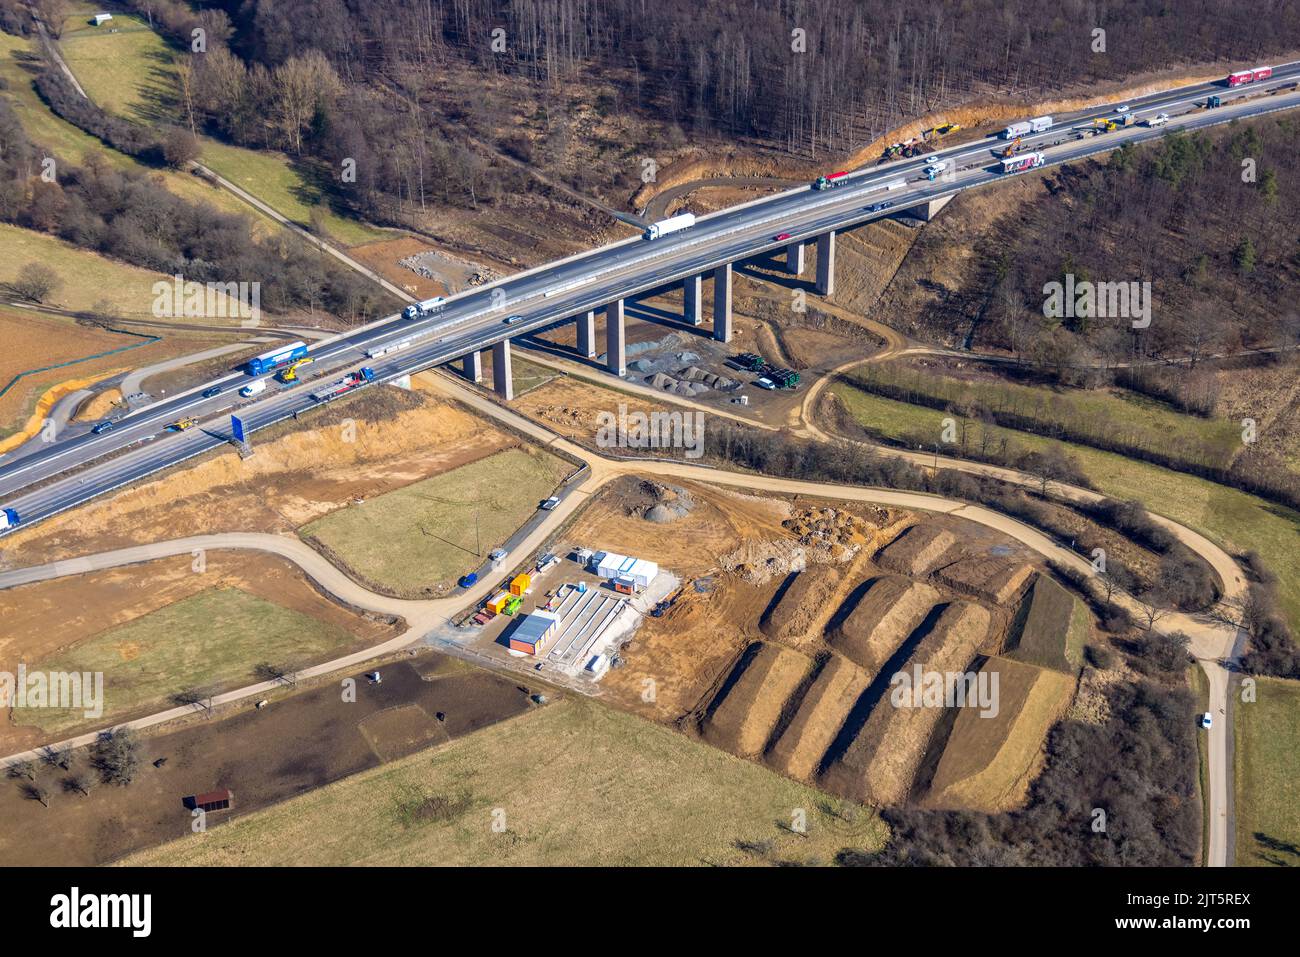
point(131, 73)
point(529, 375)
point(87, 278)
point(215, 637)
point(1237, 521)
point(574, 783)
point(272, 179)
point(1267, 760)
point(125, 67)
point(69, 144)
point(1129, 419)
point(1200, 686)
point(436, 530)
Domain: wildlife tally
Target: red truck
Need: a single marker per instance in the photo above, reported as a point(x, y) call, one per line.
point(349, 382)
point(830, 181)
point(1250, 76)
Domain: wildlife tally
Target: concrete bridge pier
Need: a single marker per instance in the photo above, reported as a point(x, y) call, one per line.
point(722, 303)
point(587, 334)
point(502, 381)
point(929, 210)
point(615, 341)
point(692, 287)
point(826, 264)
point(794, 259)
point(474, 366)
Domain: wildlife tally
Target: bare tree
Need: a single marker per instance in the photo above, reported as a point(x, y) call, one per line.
point(1152, 607)
point(56, 757)
point(36, 282)
point(55, 13)
point(116, 756)
point(200, 698)
point(1167, 652)
point(1249, 611)
point(276, 671)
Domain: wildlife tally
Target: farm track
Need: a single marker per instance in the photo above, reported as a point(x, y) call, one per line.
point(1212, 642)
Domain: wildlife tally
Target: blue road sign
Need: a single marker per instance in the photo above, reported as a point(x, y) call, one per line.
point(237, 428)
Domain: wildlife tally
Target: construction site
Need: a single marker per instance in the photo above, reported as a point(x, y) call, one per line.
point(569, 614)
point(793, 620)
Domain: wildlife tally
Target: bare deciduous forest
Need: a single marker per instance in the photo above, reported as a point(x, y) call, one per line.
point(336, 79)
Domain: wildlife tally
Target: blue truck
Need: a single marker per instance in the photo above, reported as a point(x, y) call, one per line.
point(280, 356)
point(8, 518)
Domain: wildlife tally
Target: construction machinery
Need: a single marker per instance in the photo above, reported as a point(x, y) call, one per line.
point(939, 132)
point(908, 148)
point(1011, 148)
point(290, 372)
point(1104, 125)
point(181, 425)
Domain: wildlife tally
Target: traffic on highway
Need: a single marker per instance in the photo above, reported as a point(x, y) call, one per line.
point(86, 461)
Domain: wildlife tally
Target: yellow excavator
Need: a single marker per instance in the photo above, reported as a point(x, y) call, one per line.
point(180, 425)
point(1012, 148)
point(1104, 125)
point(290, 372)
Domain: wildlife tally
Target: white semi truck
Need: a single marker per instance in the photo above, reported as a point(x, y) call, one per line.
point(672, 224)
point(1018, 164)
point(417, 310)
point(1025, 127)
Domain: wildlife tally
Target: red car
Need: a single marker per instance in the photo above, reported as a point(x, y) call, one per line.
point(779, 237)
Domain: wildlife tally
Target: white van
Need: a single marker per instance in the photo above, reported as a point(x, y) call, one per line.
point(253, 388)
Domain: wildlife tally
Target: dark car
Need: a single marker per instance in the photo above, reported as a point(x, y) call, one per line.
point(210, 392)
point(511, 320)
point(102, 427)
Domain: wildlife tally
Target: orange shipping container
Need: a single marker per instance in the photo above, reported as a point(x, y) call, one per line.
point(497, 603)
point(520, 584)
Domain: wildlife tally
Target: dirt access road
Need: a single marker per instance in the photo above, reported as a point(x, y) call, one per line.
point(1211, 640)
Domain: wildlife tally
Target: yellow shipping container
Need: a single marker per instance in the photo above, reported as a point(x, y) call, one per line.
point(497, 603)
point(520, 584)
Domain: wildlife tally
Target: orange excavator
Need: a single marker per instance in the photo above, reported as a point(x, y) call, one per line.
point(1011, 149)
